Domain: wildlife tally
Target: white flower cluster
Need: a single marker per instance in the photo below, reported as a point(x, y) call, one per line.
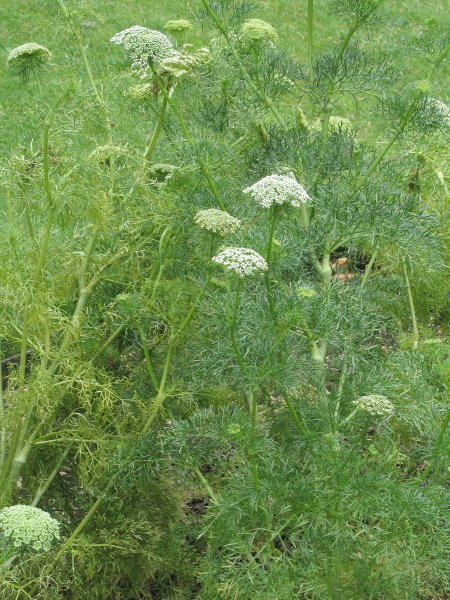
point(143, 46)
point(27, 526)
point(277, 189)
point(217, 221)
point(23, 59)
point(243, 261)
point(375, 404)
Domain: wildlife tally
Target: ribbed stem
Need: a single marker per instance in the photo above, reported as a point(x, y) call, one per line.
point(411, 305)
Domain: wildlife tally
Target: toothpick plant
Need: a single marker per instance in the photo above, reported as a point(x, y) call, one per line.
point(209, 311)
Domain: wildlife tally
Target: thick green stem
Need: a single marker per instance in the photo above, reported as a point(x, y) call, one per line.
point(149, 151)
point(294, 415)
point(411, 304)
point(148, 360)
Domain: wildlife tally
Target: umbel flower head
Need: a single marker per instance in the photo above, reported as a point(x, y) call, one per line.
point(242, 261)
point(25, 59)
point(26, 527)
point(277, 189)
point(178, 27)
point(217, 221)
point(375, 404)
point(259, 31)
point(144, 46)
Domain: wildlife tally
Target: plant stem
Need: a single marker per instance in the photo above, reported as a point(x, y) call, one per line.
point(206, 485)
point(411, 304)
point(149, 151)
point(158, 401)
point(294, 415)
point(148, 360)
point(273, 219)
point(232, 326)
point(221, 27)
point(253, 403)
point(310, 39)
point(44, 485)
point(2, 419)
point(189, 138)
point(340, 388)
point(438, 444)
point(368, 268)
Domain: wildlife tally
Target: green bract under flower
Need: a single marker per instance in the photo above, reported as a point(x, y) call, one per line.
point(26, 527)
point(242, 261)
point(217, 221)
point(257, 30)
point(144, 46)
point(277, 190)
point(375, 404)
point(26, 58)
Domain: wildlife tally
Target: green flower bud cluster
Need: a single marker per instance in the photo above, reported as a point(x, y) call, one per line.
point(178, 27)
point(217, 221)
point(25, 59)
point(304, 291)
point(258, 31)
point(242, 261)
point(26, 527)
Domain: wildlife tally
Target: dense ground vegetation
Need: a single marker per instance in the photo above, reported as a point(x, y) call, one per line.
point(224, 301)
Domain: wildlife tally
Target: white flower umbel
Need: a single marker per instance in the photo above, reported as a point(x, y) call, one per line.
point(375, 404)
point(28, 527)
point(144, 46)
point(276, 190)
point(26, 58)
point(217, 221)
point(242, 261)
